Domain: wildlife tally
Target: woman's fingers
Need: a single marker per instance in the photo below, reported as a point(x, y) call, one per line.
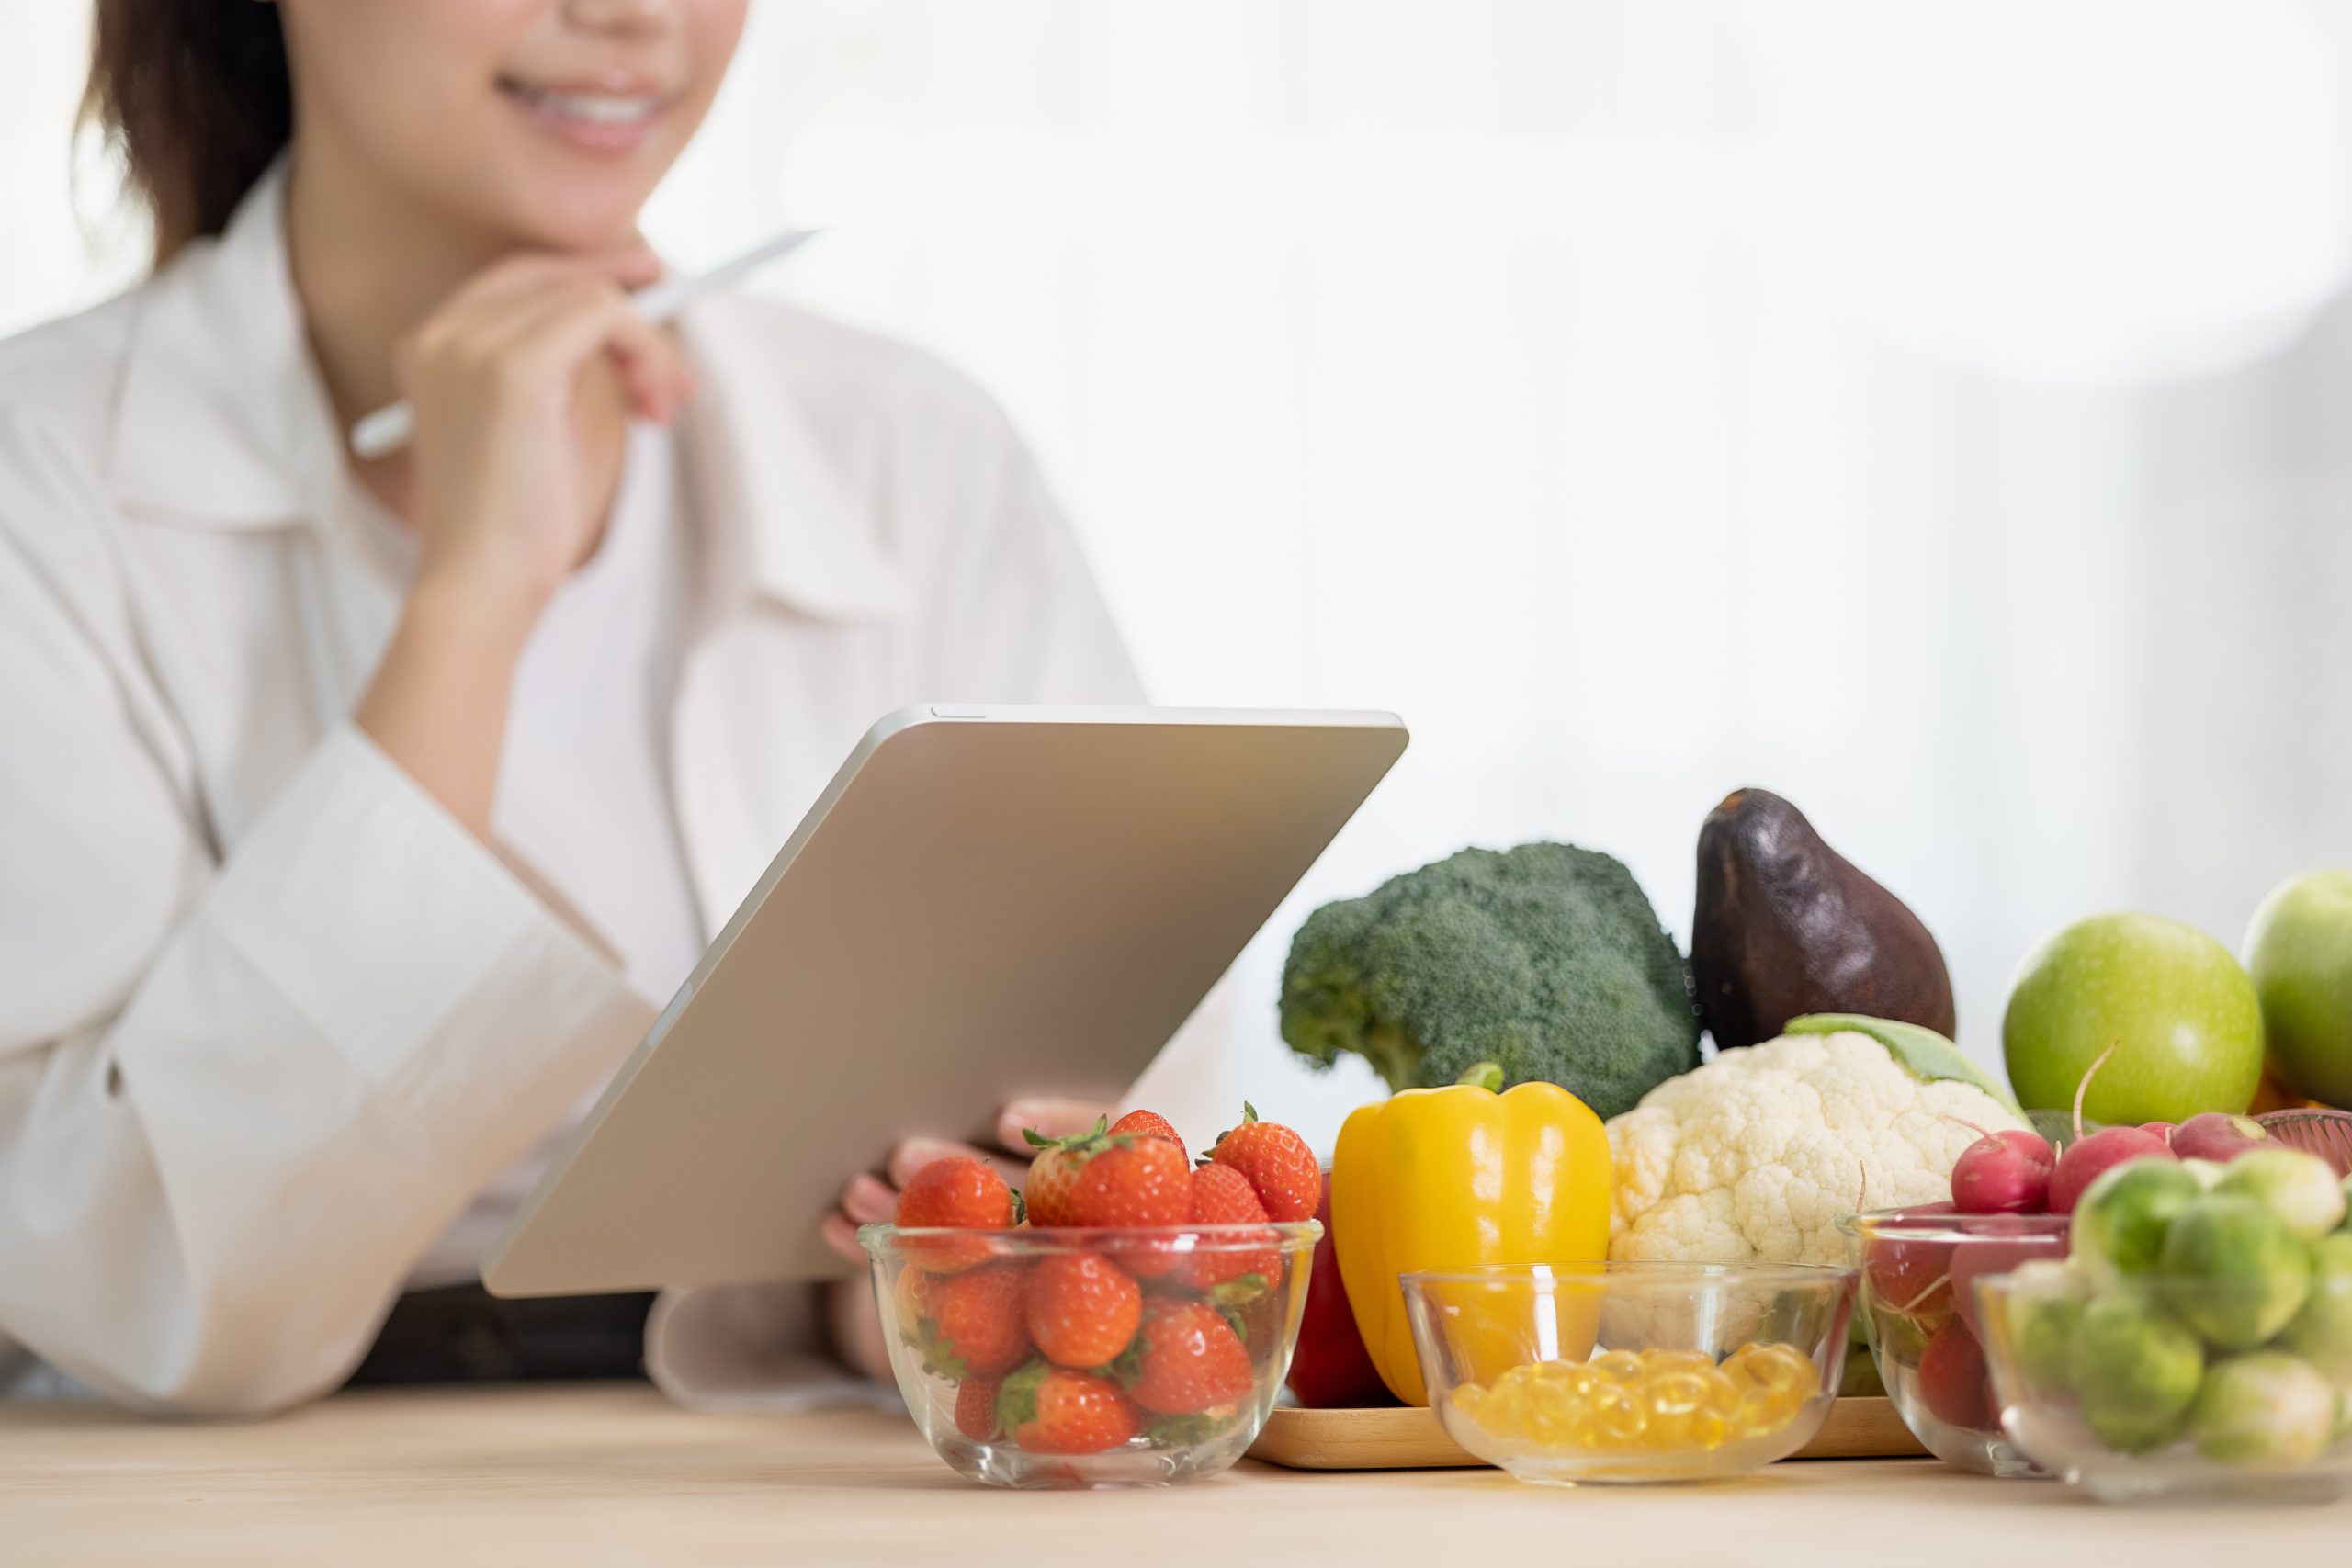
point(842, 1237)
point(597, 318)
point(656, 381)
point(854, 1322)
point(1048, 1118)
point(871, 1200)
point(868, 1201)
point(631, 266)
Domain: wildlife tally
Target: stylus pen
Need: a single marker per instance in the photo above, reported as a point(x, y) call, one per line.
point(385, 431)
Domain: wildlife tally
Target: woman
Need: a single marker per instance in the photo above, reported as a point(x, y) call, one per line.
point(359, 815)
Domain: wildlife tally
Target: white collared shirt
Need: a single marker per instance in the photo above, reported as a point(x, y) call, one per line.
point(269, 1018)
point(583, 774)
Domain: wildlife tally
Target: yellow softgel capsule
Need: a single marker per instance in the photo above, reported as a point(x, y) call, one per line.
point(1674, 1397)
point(1507, 1408)
point(1658, 1400)
point(1619, 1418)
point(1783, 1366)
point(1708, 1429)
point(1677, 1391)
point(1723, 1392)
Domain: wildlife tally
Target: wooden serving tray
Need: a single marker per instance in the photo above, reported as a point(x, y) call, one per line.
point(1405, 1438)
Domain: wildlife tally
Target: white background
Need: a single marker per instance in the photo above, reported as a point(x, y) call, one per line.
point(1937, 414)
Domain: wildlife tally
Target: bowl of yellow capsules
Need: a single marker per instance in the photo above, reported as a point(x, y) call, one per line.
point(1569, 1372)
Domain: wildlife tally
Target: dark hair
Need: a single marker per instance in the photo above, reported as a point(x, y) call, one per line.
point(195, 94)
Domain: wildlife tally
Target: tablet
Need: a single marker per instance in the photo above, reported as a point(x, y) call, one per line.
point(985, 903)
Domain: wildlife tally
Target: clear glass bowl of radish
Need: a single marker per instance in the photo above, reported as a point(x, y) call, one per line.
point(1918, 1305)
point(1920, 1315)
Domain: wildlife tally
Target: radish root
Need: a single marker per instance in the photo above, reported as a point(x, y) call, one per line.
point(1940, 1282)
point(2083, 1087)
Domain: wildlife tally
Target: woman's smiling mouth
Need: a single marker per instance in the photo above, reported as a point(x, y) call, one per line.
point(598, 117)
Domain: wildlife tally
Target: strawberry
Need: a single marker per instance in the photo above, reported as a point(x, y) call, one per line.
point(911, 1299)
point(1149, 1124)
point(1223, 1196)
point(1278, 1164)
point(958, 1193)
point(1052, 1410)
point(1095, 1178)
point(1186, 1360)
point(976, 1408)
point(973, 1327)
point(1082, 1309)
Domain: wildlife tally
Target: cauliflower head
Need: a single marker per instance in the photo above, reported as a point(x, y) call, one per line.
point(1754, 1158)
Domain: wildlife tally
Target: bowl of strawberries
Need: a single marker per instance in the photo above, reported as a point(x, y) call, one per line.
point(1125, 1320)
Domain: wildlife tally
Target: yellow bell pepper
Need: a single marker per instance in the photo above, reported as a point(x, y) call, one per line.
point(1460, 1178)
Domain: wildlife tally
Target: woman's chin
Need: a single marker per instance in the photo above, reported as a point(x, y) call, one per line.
point(576, 217)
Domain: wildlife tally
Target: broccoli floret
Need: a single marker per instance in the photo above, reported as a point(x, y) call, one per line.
point(1546, 959)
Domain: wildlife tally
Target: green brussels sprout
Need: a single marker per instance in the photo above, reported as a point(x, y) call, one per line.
point(2321, 1333)
point(2241, 1273)
point(2137, 1368)
point(2122, 1218)
point(2263, 1407)
point(2300, 1188)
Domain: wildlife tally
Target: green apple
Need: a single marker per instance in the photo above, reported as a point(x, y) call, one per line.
point(2298, 949)
point(2181, 1015)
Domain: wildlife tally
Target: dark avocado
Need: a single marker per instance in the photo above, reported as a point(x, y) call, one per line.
point(1786, 926)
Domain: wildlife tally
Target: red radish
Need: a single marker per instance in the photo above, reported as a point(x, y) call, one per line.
point(2161, 1129)
point(2003, 1173)
point(2085, 1159)
point(2218, 1136)
point(1951, 1378)
point(1909, 1276)
point(1996, 1253)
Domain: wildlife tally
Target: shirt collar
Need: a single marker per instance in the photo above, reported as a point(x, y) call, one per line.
point(764, 483)
point(222, 422)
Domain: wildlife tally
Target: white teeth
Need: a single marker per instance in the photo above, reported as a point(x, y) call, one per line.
point(601, 109)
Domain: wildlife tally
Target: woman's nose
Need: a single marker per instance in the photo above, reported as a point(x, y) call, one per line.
point(632, 16)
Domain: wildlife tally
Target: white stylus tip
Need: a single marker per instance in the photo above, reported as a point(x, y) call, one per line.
point(384, 432)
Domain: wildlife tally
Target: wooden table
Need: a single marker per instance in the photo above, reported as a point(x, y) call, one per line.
point(584, 1477)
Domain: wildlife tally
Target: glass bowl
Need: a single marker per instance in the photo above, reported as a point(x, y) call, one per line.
point(1923, 1326)
point(1630, 1372)
point(1203, 1317)
point(2117, 1384)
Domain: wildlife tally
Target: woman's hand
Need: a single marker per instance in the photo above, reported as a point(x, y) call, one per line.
point(858, 1334)
point(522, 382)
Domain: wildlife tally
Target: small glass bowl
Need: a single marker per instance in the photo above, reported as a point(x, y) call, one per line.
point(1923, 1327)
point(1145, 1412)
point(2141, 1405)
point(1630, 1372)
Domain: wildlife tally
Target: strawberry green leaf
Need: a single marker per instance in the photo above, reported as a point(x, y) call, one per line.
point(1184, 1432)
point(1240, 1291)
point(1126, 1367)
point(939, 1356)
point(1093, 1138)
point(1016, 1400)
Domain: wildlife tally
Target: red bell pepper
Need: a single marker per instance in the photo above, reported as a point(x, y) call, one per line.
point(1330, 1367)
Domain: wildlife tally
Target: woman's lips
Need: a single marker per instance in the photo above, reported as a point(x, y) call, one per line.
point(596, 119)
